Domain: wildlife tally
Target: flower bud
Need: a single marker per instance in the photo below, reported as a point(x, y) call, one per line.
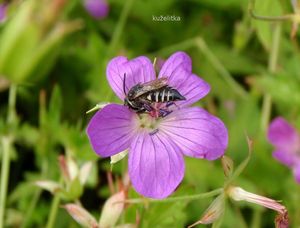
point(239, 194)
point(213, 212)
point(112, 210)
point(83, 217)
point(97, 8)
point(68, 168)
point(64, 168)
point(85, 171)
point(72, 168)
point(227, 165)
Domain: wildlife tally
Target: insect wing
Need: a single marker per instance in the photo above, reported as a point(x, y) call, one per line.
point(152, 85)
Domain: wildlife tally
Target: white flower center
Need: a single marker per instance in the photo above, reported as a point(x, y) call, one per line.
point(148, 122)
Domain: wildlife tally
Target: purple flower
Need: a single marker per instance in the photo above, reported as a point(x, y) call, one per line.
point(3, 8)
point(97, 8)
point(157, 145)
point(286, 140)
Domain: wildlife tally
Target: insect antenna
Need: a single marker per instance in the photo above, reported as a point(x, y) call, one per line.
point(124, 79)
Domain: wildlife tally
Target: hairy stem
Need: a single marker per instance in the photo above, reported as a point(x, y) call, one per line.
point(201, 44)
point(119, 27)
point(53, 211)
point(273, 58)
point(178, 198)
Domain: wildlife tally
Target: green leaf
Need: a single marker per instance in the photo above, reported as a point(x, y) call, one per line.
point(75, 189)
point(15, 33)
point(284, 90)
point(165, 215)
point(55, 105)
point(264, 28)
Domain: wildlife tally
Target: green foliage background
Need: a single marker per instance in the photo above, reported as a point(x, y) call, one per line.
point(253, 67)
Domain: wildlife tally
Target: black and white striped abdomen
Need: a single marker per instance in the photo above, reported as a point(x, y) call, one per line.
point(164, 95)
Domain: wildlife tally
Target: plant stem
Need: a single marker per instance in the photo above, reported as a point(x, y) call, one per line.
point(31, 207)
point(7, 142)
point(239, 217)
point(36, 195)
point(178, 198)
point(183, 45)
point(256, 218)
point(275, 48)
point(53, 211)
point(201, 44)
point(11, 115)
point(273, 58)
point(54, 208)
point(120, 27)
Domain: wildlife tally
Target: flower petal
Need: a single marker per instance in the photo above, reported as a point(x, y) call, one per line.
point(282, 135)
point(111, 129)
point(138, 70)
point(178, 69)
point(156, 166)
point(296, 171)
point(176, 63)
point(3, 11)
point(196, 132)
point(286, 157)
point(193, 89)
point(97, 8)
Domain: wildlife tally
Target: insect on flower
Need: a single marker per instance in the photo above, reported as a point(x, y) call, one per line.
point(148, 97)
point(156, 124)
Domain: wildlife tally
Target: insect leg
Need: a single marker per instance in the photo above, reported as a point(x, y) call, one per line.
point(169, 104)
point(172, 103)
point(148, 107)
point(163, 112)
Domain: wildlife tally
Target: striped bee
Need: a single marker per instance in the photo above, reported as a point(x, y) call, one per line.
point(142, 97)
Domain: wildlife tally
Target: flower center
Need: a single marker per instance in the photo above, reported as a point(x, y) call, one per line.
point(148, 122)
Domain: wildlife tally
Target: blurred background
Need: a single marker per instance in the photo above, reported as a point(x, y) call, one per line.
point(53, 57)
